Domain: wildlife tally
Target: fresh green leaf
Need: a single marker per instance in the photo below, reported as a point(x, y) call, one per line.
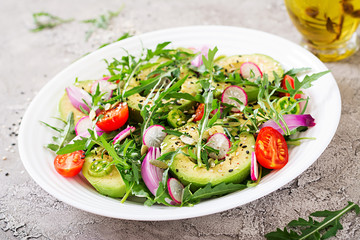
point(223, 188)
point(311, 229)
point(44, 20)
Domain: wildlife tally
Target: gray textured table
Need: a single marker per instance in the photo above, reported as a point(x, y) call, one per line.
point(29, 60)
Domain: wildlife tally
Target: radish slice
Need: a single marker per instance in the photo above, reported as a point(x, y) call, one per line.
point(250, 70)
point(83, 125)
point(154, 136)
point(151, 175)
point(77, 97)
point(221, 142)
point(123, 134)
point(104, 87)
point(235, 92)
point(175, 189)
point(254, 170)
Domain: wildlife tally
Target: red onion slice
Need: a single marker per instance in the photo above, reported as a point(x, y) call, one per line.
point(77, 96)
point(151, 175)
point(197, 62)
point(292, 121)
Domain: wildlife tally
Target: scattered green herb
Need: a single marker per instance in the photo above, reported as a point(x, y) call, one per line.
point(102, 21)
point(44, 20)
point(302, 229)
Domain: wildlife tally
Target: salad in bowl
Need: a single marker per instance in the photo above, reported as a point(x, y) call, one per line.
point(176, 126)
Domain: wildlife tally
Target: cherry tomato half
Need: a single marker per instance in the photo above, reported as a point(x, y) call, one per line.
point(70, 164)
point(291, 81)
point(271, 149)
point(199, 112)
point(114, 118)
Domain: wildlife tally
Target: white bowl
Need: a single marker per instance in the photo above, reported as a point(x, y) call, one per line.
point(325, 107)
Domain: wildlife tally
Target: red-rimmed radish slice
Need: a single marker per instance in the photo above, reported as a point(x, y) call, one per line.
point(234, 92)
point(250, 70)
point(154, 136)
point(78, 97)
point(83, 125)
point(151, 175)
point(104, 87)
point(175, 189)
point(123, 134)
point(221, 142)
point(254, 170)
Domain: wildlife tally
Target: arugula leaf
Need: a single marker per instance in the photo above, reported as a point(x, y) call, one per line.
point(294, 71)
point(44, 20)
point(66, 134)
point(312, 229)
point(101, 22)
point(223, 188)
point(305, 83)
point(72, 147)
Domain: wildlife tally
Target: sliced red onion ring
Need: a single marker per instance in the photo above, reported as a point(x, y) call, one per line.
point(292, 120)
point(77, 97)
point(197, 62)
point(123, 134)
point(254, 170)
point(151, 175)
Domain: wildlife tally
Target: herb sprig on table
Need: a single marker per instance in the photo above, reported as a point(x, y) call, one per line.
point(311, 229)
point(44, 20)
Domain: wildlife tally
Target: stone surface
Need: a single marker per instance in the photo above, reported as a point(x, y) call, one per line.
point(29, 60)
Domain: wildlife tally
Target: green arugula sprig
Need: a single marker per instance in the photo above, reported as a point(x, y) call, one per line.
point(44, 20)
point(102, 21)
point(208, 99)
point(66, 134)
point(302, 229)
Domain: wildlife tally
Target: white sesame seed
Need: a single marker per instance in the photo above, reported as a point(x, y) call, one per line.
point(4, 158)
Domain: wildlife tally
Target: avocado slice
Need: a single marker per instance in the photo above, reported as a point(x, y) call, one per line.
point(65, 106)
point(267, 64)
point(111, 184)
point(191, 86)
point(235, 168)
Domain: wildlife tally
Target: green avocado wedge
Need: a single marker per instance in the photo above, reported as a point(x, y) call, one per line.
point(111, 184)
point(235, 168)
point(267, 64)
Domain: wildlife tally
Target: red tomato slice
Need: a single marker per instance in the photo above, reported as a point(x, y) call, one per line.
point(271, 149)
point(199, 112)
point(70, 164)
point(290, 80)
point(114, 118)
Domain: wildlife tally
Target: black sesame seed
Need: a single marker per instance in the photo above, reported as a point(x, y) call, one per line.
point(240, 144)
point(244, 146)
point(230, 170)
point(6, 174)
point(247, 151)
point(177, 170)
